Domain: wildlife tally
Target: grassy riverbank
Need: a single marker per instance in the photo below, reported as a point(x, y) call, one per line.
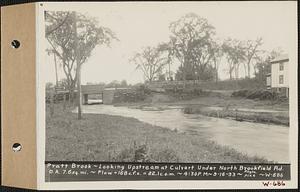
point(222, 105)
point(113, 138)
point(276, 118)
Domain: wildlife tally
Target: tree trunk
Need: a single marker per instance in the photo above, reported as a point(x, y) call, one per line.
point(249, 69)
point(55, 64)
point(230, 72)
point(71, 94)
point(169, 71)
point(78, 69)
point(217, 76)
point(216, 70)
point(236, 71)
point(183, 73)
point(245, 70)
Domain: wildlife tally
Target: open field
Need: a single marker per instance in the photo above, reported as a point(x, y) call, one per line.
point(100, 137)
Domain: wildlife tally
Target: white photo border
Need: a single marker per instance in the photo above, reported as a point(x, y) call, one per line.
point(174, 184)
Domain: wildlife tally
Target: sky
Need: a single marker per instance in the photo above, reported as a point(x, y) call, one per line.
point(138, 25)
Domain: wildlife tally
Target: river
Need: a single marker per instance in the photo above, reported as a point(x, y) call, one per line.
point(262, 140)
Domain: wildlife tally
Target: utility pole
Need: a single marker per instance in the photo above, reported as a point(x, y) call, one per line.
point(78, 69)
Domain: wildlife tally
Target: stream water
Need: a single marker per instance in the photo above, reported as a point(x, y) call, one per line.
point(263, 140)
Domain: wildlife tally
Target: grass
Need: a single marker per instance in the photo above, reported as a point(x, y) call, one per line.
point(100, 137)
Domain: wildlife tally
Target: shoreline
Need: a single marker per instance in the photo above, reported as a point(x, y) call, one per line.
point(238, 115)
point(227, 108)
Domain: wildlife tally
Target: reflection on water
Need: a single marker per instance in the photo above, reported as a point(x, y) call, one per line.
point(269, 141)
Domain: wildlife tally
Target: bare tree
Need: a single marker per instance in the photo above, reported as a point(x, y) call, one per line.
point(150, 61)
point(251, 51)
point(235, 55)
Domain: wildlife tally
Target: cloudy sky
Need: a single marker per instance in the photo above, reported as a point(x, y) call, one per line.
point(146, 24)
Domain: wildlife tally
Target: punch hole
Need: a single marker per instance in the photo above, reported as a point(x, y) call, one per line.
point(15, 44)
point(17, 147)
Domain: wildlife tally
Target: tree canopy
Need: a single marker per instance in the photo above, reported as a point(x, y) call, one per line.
point(65, 40)
point(193, 45)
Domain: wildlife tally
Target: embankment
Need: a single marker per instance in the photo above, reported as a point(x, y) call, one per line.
point(276, 118)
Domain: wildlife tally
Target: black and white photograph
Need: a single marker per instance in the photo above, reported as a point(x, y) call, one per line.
point(173, 83)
